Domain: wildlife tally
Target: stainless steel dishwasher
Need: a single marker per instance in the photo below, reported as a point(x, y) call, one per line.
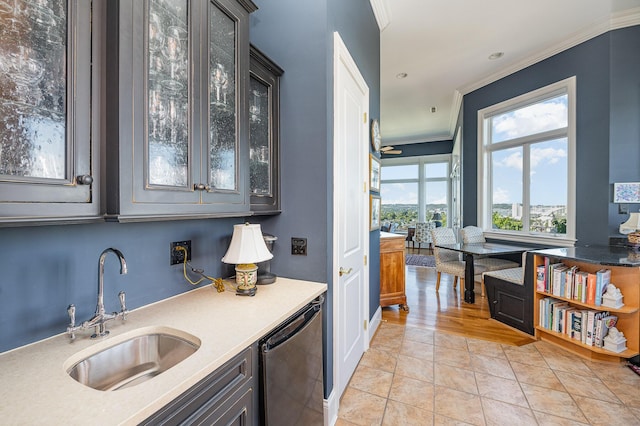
point(291, 370)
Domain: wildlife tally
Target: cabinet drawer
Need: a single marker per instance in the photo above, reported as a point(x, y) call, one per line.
point(210, 392)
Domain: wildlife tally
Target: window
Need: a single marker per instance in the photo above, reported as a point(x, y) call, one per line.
point(526, 174)
point(413, 189)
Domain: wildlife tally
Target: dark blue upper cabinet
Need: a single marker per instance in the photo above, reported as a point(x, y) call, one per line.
point(49, 125)
point(177, 141)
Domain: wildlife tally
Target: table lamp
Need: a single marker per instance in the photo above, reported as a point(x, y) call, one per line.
point(246, 249)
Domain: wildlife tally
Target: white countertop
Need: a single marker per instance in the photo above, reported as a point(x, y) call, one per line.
point(36, 388)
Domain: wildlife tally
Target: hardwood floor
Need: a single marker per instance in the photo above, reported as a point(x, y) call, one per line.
point(446, 311)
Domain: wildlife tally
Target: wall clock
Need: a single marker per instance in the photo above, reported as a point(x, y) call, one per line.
point(375, 135)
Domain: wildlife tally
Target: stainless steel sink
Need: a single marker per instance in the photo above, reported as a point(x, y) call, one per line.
point(132, 361)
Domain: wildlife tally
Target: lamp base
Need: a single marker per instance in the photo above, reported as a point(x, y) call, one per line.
point(246, 291)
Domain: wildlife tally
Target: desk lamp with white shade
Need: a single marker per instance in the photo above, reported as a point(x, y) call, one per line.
point(246, 249)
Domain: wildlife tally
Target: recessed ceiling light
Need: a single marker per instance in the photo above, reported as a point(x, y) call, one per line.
point(496, 55)
point(401, 75)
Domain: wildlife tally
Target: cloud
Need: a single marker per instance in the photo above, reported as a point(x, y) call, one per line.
point(546, 156)
point(500, 195)
point(513, 160)
point(532, 119)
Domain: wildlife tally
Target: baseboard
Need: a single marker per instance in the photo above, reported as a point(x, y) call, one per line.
point(374, 323)
point(331, 406)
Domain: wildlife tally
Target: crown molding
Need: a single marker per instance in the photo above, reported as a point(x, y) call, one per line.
point(624, 19)
point(381, 13)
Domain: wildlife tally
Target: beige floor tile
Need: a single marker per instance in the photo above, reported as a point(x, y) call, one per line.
point(538, 376)
point(455, 378)
point(417, 349)
point(628, 394)
point(500, 389)
point(553, 402)
point(361, 408)
point(439, 420)
point(412, 392)
point(529, 358)
point(399, 414)
point(343, 422)
point(569, 364)
point(499, 414)
point(380, 359)
point(453, 357)
point(416, 368)
point(605, 413)
point(531, 348)
point(591, 387)
point(387, 342)
point(481, 347)
point(371, 380)
point(545, 419)
point(419, 335)
point(450, 341)
point(458, 405)
point(615, 373)
point(493, 366)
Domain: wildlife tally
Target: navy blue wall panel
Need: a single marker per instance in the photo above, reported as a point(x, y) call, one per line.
point(45, 268)
point(590, 63)
point(624, 148)
point(298, 36)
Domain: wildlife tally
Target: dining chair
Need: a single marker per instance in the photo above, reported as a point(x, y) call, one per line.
point(474, 234)
point(448, 261)
point(423, 234)
point(411, 233)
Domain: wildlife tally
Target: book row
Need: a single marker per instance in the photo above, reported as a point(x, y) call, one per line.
point(588, 326)
point(571, 283)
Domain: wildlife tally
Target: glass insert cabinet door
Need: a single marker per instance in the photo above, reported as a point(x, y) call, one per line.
point(45, 140)
point(264, 126)
point(167, 40)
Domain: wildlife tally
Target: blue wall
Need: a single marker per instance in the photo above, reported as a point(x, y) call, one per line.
point(298, 36)
point(45, 268)
point(607, 99)
point(624, 141)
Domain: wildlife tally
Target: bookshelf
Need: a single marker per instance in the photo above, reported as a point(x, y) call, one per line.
point(625, 274)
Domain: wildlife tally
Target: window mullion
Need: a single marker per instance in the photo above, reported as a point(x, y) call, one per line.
point(526, 188)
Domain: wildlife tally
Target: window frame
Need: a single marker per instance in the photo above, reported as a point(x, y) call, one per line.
point(485, 149)
point(421, 179)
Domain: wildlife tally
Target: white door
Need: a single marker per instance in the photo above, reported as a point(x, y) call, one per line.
point(351, 215)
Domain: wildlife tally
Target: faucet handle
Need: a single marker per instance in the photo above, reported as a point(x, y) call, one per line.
point(71, 310)
point(123, 307)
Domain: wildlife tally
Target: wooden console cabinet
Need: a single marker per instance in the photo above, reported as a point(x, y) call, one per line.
point(392, 278)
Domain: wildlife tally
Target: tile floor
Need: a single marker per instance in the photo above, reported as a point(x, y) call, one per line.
point(415, 376)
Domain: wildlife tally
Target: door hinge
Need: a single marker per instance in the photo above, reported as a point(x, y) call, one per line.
point(365, 260)
point(365, 324)
point(365, 118)
point(364, 187)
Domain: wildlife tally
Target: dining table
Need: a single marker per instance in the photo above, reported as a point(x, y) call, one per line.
point(473, 251)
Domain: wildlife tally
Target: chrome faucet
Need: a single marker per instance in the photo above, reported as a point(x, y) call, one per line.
point(100, 318)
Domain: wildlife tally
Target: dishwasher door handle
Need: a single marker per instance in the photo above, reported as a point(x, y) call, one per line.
point(299, 322)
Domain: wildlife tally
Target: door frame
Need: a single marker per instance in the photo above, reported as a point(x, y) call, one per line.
point(342, 56)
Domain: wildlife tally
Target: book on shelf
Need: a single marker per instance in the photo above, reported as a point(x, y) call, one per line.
point(540, 281)
point(570, 275)
point(591, 289)
point(603, 278)
point(557, 285)
point(602, 328)
point(592, 322)
point(580, 292)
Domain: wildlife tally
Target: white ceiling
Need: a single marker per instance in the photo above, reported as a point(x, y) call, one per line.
point(444, 47)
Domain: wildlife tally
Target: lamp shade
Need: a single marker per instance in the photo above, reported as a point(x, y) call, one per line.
point(247, 245)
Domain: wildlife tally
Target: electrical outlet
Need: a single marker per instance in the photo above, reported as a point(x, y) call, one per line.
point(299, 246)
point(177, 256)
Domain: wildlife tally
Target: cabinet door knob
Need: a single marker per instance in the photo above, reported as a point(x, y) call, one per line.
point(199, 186)
point(84, 179)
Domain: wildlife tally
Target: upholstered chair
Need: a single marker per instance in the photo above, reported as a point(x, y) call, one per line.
point(448, 261)
point(473, 234)
point(423, 234)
